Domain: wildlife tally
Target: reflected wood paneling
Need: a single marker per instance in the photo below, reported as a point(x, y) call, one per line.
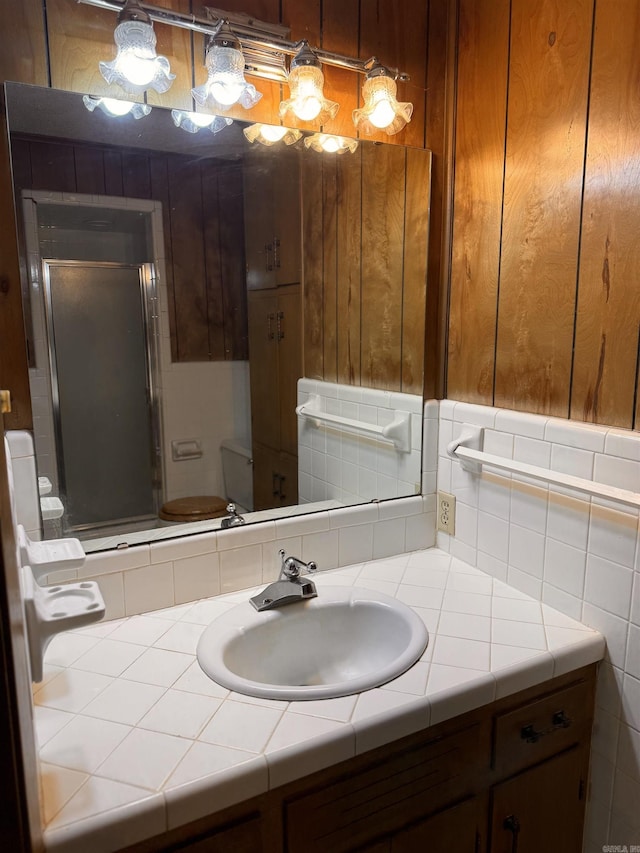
point(414, 273)
point(312, 269)
point(483, 45)
point(348, 267)
point(608, 316)
point(546, 120)
point(365, 262)
point(382, 234)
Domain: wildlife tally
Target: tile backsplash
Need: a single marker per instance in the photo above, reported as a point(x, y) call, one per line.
point(578, 554)
point(338, 464)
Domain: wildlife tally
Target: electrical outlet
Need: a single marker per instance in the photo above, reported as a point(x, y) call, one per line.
point(446, 513)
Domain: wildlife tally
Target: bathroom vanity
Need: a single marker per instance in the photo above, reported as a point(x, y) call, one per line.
point(509, 776)
point(482, 746)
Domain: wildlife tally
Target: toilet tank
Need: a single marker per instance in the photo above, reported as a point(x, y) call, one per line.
point(237, 473)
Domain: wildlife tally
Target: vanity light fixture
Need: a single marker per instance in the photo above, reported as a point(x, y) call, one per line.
point(271, 134)
point(192, 122)
point(239, 44)
point(137, 67)
point(115, 107)
point(326, 142)
point(226, 84)
point(306, 82)
point(381, 110)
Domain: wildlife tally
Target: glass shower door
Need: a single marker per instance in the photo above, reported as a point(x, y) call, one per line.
point(102, 393)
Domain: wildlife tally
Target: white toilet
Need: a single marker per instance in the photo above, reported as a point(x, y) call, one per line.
point(237, 474)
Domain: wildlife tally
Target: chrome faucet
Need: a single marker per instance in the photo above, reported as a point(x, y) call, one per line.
point(289, 587)
point(233, 519)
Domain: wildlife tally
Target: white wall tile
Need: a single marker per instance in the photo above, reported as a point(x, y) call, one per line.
point(149, 588)
point(613, 534)
point(240, 568)
point(564, 567)
point(608, 585)
point(526, 550)
point(196, 577)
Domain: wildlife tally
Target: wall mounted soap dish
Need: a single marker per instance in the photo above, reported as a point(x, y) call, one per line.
point(50, 555)
point(52, 609)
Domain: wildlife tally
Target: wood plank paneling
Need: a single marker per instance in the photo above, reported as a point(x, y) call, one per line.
point(329, 265)
point(312, 269)
point(382, 233)
point(608, 315)
point(483, 44)
point(340, 20)
point(349, 265)
point(53, 167)
point(416, 239)
point(159, 174)
point(213, 215)
point(232, 283)
point(80, 37)
point(89, 166)
point(176, 44)
point(24, 55)
point(189, 282)
point(397, 34)
point(546, 120)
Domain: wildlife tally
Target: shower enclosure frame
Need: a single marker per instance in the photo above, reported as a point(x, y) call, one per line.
point(149, 306)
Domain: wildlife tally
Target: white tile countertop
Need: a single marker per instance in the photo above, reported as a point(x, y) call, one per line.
point(135, 739)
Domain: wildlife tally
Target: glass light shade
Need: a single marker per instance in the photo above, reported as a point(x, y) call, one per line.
point(115, 107)
point(136, 67)
point(307, 100)
point(381, 110)
point(193, 122)
point(271, 134)
point(226, 84)
point(330, 144)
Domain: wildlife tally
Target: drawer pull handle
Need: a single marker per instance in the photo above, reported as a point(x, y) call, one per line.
point(529, 734)
point(512, 825)
point(558, 721)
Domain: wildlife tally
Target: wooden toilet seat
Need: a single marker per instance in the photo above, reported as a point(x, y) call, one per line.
point(196, 508)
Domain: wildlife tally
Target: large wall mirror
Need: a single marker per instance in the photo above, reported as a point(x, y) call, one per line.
point(210, 320)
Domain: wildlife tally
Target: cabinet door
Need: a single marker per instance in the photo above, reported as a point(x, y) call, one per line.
point(287, 240)
point(542, 809)
point(258, 221)
point(288, 480)
point(266, 483)
point(454, 830)
point(263, 368)
point(289, 325)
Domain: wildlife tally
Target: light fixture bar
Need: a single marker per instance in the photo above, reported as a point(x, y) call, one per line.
point(251, 33)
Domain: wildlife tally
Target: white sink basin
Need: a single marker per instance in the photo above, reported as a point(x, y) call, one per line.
point(344, 641)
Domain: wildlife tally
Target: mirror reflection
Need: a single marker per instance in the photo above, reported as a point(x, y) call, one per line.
point(210, 321)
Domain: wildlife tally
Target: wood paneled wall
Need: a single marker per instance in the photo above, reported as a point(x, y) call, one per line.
point(203, 230)
point(365, 264)
point(545, 295)
point(59, 42)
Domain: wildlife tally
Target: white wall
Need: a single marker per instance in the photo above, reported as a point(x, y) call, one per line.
point(579, 555)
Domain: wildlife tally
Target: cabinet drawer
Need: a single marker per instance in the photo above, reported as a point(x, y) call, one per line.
point(539, 729)
point(387, 796)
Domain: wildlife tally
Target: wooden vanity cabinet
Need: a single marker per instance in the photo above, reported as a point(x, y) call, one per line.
point(511, 776)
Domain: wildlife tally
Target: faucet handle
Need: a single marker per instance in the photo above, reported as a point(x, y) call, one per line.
point(312, 566)
point(231, 508)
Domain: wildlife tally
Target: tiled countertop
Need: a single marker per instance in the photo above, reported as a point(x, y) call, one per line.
point(135, 739)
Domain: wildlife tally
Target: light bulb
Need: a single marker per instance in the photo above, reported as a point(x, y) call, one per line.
point(138, 70)
point(193, 122)
point(382, 115)
point(116, 107)
point(330, 144)
point(308, 108)
point(273, 132)
point(226, 92)
point(201, 119)
point(306, 82)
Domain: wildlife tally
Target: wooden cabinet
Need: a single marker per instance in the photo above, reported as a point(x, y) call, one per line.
point(507, 777)
point(542, 808)
point(272, 217)
point(275, 364)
